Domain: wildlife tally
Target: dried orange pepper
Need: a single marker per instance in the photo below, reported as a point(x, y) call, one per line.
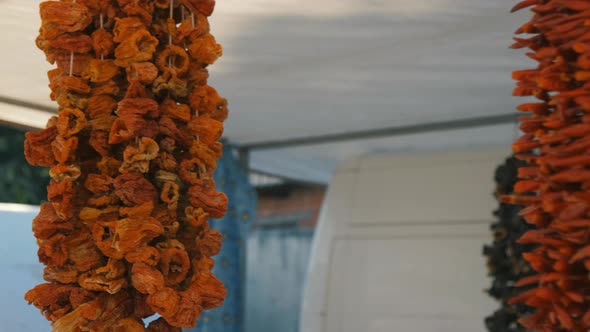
point(137, 130)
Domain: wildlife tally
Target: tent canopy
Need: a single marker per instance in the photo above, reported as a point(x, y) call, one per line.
point(305, 68)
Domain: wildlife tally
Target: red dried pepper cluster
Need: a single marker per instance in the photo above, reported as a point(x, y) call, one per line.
point(555, 186)
point(124, 234)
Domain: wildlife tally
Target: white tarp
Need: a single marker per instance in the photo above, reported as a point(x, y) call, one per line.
point(298, 68)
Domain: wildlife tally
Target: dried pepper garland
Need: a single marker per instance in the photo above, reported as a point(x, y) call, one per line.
point(132, 151)
point(504, 256)
point(555, 186)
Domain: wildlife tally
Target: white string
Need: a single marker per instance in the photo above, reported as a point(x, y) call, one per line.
point(170, 37)
point(193, 26)
point(170, 32)
point(171, 16)
point(193, 23)
point(183, 14)
point(72, 55)
point(102, 27)
point(71, 63)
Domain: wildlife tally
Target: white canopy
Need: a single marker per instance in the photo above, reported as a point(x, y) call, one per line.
point(306, 68)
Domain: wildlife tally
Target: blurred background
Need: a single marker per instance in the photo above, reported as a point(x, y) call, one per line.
point(360, 161)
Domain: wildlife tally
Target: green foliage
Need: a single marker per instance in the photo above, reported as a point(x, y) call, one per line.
point(19, 182)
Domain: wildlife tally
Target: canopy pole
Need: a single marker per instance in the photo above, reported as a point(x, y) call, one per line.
point(483, 121)
point(26, 104)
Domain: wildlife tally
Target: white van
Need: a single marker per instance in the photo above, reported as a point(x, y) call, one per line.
point(399, 245)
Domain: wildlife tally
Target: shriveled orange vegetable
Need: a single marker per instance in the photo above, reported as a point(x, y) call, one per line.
point(124, 234)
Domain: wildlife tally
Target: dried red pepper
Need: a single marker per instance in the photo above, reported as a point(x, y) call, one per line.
point(556, 183)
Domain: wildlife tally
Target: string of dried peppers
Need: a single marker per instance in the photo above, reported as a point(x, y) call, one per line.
point(124, 234)
point(555, 186)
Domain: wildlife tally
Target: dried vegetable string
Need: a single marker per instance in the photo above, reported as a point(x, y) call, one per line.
point(555, 185)
point(124, 234)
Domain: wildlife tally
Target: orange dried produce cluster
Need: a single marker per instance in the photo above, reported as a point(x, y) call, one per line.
point(555, 186)
point(124, 234)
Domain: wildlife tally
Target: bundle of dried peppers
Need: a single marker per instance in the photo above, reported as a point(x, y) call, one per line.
point(555, 185)
point(124, 234)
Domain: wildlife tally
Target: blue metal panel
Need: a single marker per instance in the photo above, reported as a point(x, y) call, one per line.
point(278, 255)
point(230, 262)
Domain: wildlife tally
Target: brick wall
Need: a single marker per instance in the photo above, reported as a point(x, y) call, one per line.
point(290, 201)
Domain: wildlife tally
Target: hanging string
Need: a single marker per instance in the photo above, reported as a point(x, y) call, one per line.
point(172, 17)
point(193, 25)
point(102, 27)
point(170, 32)
point(71, 63)
point(170, 37)
point(196, 111)
point(72, 55)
